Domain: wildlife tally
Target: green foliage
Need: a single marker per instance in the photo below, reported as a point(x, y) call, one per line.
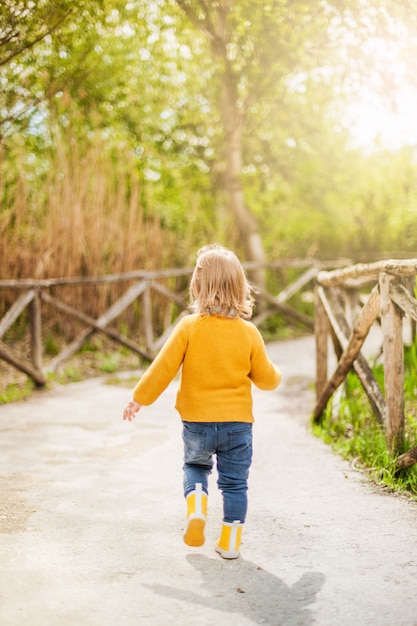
point(15, 392)
point(277, 328)
point(110, 363)
point(121, 101)
point(36, 42)
point(69, 374)
point(51, 346)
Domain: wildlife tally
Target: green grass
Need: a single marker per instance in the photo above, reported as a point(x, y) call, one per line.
point(352, 431)
point(14, 392)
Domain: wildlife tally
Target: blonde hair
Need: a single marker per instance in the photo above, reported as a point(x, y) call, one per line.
point(219, 284)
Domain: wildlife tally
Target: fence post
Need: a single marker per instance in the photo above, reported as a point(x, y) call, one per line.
point(321, 332)
point(147, 316)
point(411, 284)
point(393, 349)
point(36, 331)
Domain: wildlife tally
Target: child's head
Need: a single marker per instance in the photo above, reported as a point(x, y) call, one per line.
point(219, 284)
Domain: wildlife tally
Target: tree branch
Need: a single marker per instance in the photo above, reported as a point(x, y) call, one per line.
point(205, 25)
point(30, 44)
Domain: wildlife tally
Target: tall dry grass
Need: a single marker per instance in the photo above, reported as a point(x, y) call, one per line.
point(82, 216)
point(77, 213)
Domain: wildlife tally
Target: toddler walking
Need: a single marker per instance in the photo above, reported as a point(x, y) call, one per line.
point(221, 354)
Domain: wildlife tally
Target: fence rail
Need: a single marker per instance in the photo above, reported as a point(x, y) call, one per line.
point(342, 314)
point(139, 289)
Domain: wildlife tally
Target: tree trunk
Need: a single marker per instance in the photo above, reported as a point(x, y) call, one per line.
point(212, 20)
point(233, 121)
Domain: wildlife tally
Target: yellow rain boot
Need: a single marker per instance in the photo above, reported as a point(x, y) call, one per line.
point(196, 517)
point(229, 543)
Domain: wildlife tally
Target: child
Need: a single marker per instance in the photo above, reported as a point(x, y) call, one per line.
point(221, 354)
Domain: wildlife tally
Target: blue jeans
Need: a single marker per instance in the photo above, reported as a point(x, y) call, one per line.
point(231, 443)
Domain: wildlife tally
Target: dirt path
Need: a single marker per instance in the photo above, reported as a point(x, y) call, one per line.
point(91, 518)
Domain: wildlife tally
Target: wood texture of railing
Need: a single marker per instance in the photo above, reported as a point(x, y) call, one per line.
point(338, 314)
point(341, 312)
point(141, 287)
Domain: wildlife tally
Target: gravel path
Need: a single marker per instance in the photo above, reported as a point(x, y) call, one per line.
point(91, 519)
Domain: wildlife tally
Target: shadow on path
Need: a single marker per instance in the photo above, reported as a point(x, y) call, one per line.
point(244, 588)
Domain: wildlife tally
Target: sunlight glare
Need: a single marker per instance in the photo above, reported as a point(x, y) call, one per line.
point(373, 124)
point(382, 113)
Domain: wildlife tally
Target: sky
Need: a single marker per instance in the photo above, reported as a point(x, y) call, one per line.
point(383, 111)
point(374, 124)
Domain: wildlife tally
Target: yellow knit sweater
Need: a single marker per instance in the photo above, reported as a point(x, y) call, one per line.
point(219, 357)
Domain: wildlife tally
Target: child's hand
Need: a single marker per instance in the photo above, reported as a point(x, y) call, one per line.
point(130, 411)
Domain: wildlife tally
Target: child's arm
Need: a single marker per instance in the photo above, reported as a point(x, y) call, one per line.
point(264, 374)
point(130, 411)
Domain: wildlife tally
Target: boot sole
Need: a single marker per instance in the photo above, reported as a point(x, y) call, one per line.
point(194, 534)
point(225, 554)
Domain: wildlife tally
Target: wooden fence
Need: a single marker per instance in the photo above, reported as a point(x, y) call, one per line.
point(140, 288)
point(342, 314)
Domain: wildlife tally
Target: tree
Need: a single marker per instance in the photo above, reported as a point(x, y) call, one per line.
point(30, 32)
point(230, 108)
point(264, 53)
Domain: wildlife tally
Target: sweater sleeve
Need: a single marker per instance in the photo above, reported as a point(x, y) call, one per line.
point(264, 374)
point(164, 368)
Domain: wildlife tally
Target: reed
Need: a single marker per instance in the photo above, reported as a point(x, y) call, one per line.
point(77, 212)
